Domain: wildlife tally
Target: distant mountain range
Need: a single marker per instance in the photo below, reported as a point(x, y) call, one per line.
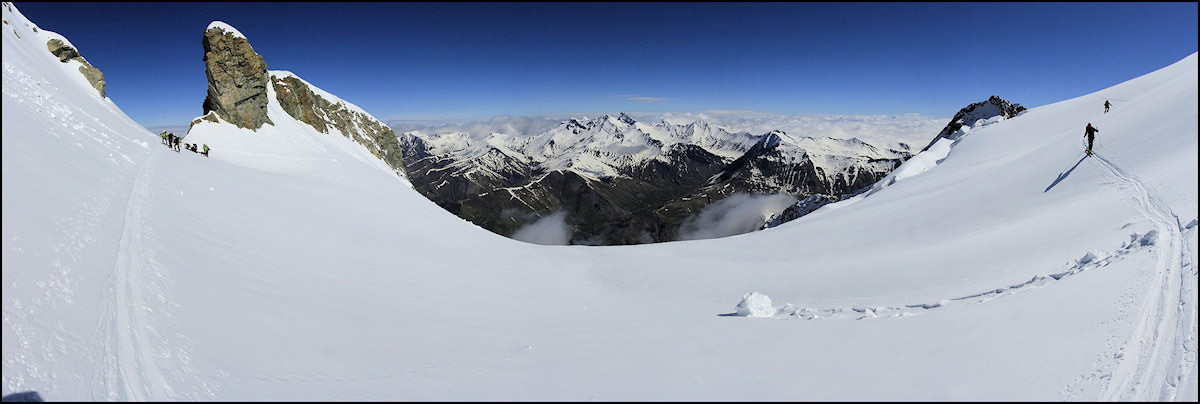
point(621, 181)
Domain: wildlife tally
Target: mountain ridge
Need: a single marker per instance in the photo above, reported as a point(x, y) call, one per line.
point(660, 172)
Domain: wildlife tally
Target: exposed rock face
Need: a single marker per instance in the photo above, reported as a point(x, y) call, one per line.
point(994, 106)
point(237, 79)
point(66, 53)
point(302, 103)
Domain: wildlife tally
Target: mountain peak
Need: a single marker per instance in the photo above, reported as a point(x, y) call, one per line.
point(221, 25)
point(992, 107)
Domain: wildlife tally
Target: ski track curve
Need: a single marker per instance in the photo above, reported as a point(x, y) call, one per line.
point(1149, 365)
point(1155, 360)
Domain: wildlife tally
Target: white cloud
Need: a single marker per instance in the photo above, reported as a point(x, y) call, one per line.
point(549, 230)
point(736, 214)
point(881, 130)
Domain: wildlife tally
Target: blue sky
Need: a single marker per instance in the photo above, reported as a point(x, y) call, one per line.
point(459, 61)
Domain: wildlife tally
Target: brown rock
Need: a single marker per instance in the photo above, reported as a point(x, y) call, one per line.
point(65, 53)
point(237, 79)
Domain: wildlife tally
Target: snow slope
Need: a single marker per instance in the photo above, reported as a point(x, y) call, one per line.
point(1013, 268)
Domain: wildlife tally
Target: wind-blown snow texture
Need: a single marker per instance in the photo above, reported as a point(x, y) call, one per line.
point(1013, 268)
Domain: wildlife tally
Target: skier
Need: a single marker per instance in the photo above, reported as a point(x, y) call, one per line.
point(1106, 105)
point(205, 150)
point(176, 145)
point(1090, 132)
point(170, 139)
point(164, 137)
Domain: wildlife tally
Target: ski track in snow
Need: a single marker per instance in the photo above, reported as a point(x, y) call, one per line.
point(140, 364)
point(1161, 352)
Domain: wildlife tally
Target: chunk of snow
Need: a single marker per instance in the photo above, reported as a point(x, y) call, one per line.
point(755, 304)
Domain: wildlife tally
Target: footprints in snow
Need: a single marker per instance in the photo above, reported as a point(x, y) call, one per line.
point(1091, 260)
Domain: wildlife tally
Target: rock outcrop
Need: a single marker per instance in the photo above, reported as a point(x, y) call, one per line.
point(240, 87)
point(300, 101)
point(237, 78)
point(65, 53)
point(994, 106)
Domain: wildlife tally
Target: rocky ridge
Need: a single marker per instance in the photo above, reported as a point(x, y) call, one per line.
point(62, 49)
point(969, 115)
point(66, 53)
point(238, 94)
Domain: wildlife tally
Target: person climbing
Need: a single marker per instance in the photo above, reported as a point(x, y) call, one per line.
point(1106, 105)
point(170, 139)
point(176, 145)
point(205, 150)
point(164, 137)
point(1090, 132)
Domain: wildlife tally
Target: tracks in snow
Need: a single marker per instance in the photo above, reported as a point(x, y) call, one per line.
point(140, 363)
point(1090, 260)
point(130, 372)
point(1153, 362)
point(1156, 359)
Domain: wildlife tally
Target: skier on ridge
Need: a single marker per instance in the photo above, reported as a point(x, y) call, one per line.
point(1090, 132)
point(1106, 105)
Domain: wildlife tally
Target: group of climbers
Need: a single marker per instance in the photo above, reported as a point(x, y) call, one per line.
point(172, 142)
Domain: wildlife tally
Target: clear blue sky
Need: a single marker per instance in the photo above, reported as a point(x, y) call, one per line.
point(476, 60)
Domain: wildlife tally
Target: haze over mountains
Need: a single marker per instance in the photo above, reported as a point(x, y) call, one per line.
point(296, 264)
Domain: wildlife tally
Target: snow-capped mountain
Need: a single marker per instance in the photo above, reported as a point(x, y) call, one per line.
point(1013, 268)
point(967, 120)
point(622, 181)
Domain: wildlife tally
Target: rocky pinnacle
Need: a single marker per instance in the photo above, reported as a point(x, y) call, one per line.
point(237, 79)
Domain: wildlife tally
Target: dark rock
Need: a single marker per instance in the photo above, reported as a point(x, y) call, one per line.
point(993, 106)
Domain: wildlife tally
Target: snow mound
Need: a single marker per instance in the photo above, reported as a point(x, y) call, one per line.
point(755, 304)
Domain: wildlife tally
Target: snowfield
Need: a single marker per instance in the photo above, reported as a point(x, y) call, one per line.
point(291, 266)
